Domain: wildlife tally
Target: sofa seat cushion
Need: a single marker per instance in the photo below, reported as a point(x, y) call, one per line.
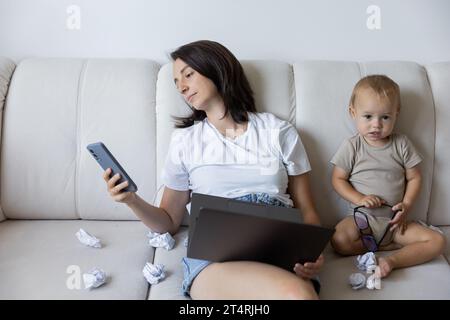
point(170, 287)
point(427, 281)
point(35, 257)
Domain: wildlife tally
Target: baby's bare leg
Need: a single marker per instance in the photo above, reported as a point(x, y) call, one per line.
point(419, 245)
point(391, 246)
point(346, 240)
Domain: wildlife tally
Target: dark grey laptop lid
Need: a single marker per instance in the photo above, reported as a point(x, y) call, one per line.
point(199, 200)
point(227, 236)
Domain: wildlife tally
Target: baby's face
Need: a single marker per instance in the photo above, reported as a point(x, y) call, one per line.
point(375, 116)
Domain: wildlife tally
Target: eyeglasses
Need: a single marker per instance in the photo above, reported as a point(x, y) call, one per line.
point(362, 222)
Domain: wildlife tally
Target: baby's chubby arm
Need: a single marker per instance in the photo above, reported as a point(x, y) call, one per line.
point(339, 180)
point(413, 182)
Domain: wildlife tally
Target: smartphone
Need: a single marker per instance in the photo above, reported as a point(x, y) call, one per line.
point(106, 160)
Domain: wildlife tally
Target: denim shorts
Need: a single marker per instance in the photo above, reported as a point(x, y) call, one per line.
point(192, 267)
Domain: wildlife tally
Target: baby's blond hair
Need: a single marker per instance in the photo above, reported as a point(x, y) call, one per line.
point(382, 85)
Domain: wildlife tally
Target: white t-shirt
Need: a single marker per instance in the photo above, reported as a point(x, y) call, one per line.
point(202, 160)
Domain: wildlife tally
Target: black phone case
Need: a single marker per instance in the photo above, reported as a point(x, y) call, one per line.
point(106, 160)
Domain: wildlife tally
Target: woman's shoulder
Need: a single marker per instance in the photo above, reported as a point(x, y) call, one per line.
point(268, 120)
point(184, 135)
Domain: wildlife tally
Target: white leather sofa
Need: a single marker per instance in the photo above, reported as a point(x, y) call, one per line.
point(50, 186)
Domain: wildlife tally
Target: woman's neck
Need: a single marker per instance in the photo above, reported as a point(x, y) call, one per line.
point(225, 125)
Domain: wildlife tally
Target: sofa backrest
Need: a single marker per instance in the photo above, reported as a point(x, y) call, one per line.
point(439, 211)
point(6, 71)
point(54, 108)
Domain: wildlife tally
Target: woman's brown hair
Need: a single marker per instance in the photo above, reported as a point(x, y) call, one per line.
point(217, 63)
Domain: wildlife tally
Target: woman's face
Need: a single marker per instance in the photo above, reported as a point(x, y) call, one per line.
point(197, 90)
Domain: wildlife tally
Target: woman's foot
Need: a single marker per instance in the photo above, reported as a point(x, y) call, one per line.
point(386, 266)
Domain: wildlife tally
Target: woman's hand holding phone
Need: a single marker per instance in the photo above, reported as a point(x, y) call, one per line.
point(116, 190)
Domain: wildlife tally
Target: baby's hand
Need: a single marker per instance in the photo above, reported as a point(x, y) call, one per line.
point(400, 218)
point(371, 201)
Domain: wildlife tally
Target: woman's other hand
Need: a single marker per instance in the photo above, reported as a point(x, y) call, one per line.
point(309, 269)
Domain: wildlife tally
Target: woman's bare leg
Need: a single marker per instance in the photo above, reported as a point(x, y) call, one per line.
point(250, 280)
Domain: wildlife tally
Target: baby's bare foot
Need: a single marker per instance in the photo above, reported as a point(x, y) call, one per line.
point(386, 265)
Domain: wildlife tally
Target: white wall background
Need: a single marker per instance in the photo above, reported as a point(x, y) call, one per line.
point(287, 30)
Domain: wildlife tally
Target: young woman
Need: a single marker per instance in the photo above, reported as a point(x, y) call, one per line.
point(225, 148)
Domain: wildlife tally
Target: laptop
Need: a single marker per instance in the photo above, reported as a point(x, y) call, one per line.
point(223, 229)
